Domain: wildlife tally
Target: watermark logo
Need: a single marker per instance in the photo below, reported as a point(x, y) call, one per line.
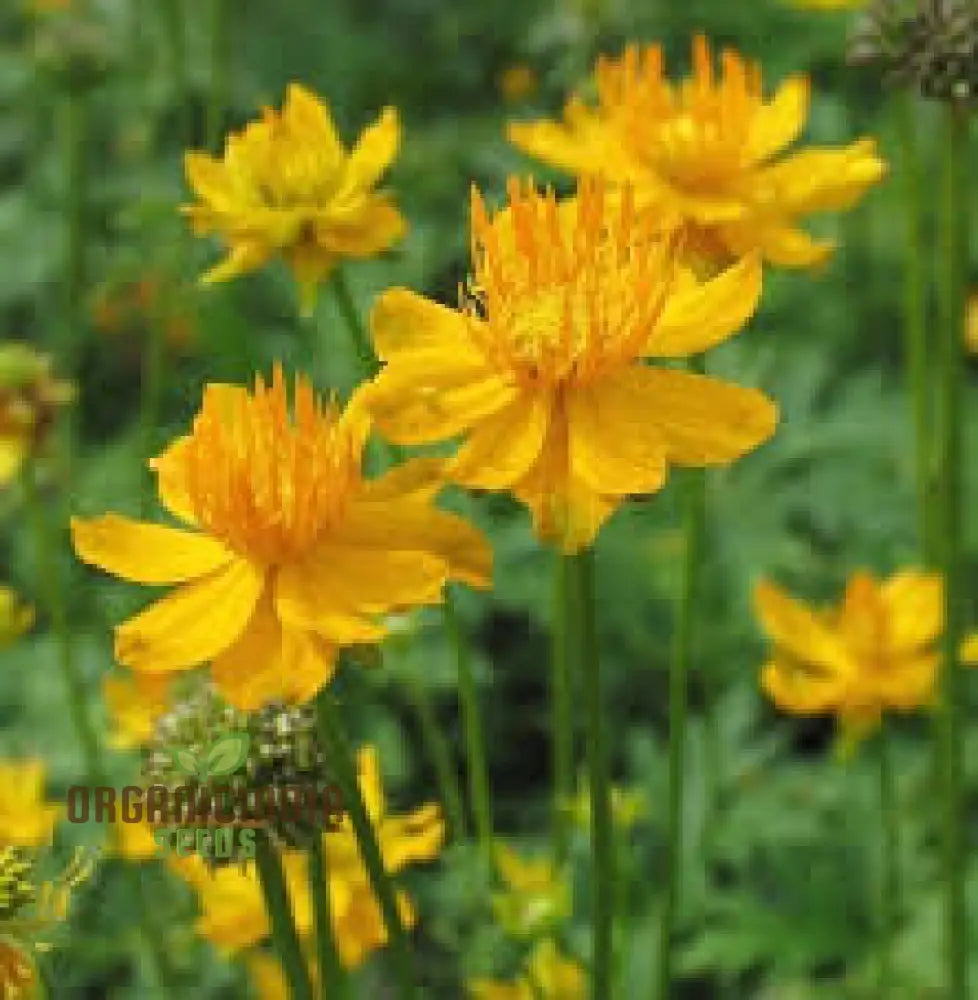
point(221, 758)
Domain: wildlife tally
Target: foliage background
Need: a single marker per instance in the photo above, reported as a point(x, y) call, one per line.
point(780, 860)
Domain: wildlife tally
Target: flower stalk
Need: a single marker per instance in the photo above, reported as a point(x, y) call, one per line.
point(561, 707)
point(954, 248)
point(889, 854)
point(337, 747)
point(284, 936)
point(694, 518)
point(217, 94)
point(580, 570)
point(331, 976)
point(919, 376)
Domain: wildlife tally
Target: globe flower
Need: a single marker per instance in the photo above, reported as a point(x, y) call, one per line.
point(287, 553)
point(711, 148)
point(536, 897)
point(548, 976)
point(134, 703)
point(29, 400)
point(874, 653)
point(26, 819)
point(15, 616)
point(287, 186)
point(542, 370)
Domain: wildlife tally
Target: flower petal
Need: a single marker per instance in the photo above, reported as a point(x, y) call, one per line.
point(243, 257)
point(193, 624)
point(403, 322)
point(794, 629)
point(778, 123)
point(614, 447)
point(413, 526)
point(146, 553)
point(915, 602)
point(503, 447)
point(374, 151)
point(270, 663)
point(799, 691)
point(424, 401)
point(702, 420)
point(705, 315)
point(171, 480)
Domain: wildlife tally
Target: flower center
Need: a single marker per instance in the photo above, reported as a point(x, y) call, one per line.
point(267, 483)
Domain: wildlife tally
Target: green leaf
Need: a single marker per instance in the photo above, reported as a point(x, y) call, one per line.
point(226, 754)
point(187, 761)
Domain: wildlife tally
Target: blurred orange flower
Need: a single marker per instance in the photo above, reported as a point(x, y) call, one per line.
point(712, 149)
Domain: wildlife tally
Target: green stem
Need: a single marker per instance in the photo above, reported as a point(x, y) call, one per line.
point(338, 751)
point(949, 449)
point(175, 27)
point(272, 880)
point(475, 744)
point(53, 595)
point(580, 569)
point(915, 324)
point(441, 759)
point(218, 91)
point(560, 696)
point(369, 365)
point(332, 978)
point(478, 771)
point(890, 880)
point(74, 116)
point(150, 403)
point(694, 516)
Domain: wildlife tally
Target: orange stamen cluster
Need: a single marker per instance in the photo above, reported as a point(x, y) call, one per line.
point(565, 292)
point(267, 482)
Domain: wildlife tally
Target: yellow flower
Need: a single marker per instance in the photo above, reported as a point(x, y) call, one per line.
point(543, 367)
point(536, 895)
point(18, 975)
point(875, 652)
point(234, 916)
point(29, 399)
point(828, 4)
point(971, 324)
point(134, 841)
point(15, 618)
point(26, 820)
point(549, 976)
point(135, 702)
point(628, 805)
point(294, 553)
point(517, 82)
point(287, 186)
point(710, 148)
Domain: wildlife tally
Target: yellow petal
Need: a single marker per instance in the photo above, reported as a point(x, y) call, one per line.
point(796, 630)
point(503, 447)
point(171, 481)
point(371, 226)
point(969, 650)
point(800, 692)
point(418, 836)
point(242, 257)
point(412, 526)
point(403, 322)
point(702, 316)
point(820, 179)
point(208, 178)
point(374, 151)
point(193, 624)
point(915, 603)
point(311, 118)
point(614, 447)
point(780, 122)
point(13, 450)
point(414, 479)
point(146, 553)
point(299, 605)
point(270, 663)
point(425, 401)
point(909, 682)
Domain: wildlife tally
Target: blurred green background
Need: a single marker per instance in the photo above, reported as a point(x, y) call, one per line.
point(780, 861)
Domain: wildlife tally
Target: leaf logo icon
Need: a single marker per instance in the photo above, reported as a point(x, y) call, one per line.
point(225, 755)
point(187, 761)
